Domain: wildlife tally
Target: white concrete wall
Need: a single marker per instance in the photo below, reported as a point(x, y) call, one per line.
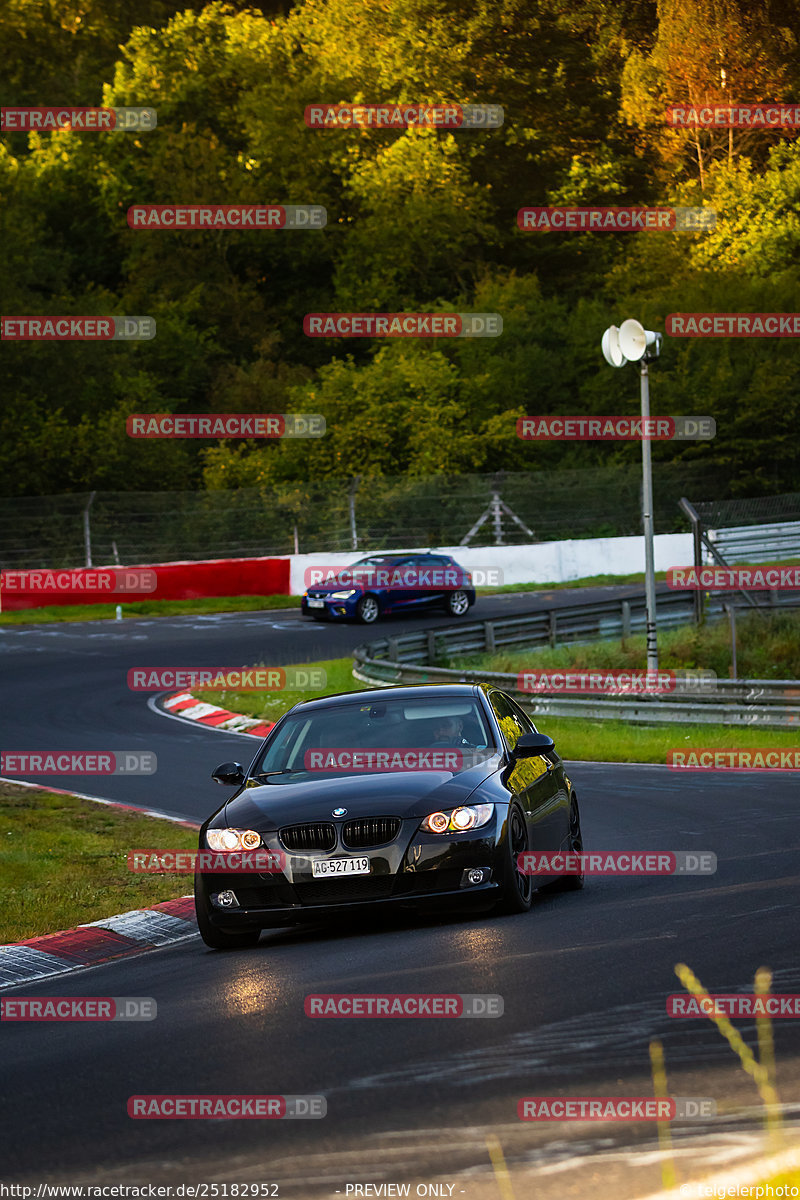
point(547, 562)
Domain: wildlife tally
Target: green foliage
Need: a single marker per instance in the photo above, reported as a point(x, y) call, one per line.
point(768, 647)
point(418, 220)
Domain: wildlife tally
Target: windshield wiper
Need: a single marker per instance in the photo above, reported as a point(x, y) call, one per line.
point(283, 771)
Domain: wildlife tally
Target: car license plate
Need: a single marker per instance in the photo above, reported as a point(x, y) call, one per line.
point(325, 867)
point(316, 603)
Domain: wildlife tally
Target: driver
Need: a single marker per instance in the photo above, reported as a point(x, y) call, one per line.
point(447, 732)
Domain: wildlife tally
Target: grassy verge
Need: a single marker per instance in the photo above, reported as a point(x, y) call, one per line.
point(64, 861)
point(576, 738)
point(214, 604)
point(767, 648)
point(586, 581)
point(146, 608)
point(56, 613)
point(620, 741)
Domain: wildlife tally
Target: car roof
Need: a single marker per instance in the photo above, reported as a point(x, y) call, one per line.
point(421, 691)
point(397, 555)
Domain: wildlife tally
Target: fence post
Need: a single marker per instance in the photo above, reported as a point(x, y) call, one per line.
point(351, 500)
point(431, 636)
point(488, 637)
point(626, 619)
point(697, 540)
point(87, 537)
point(553, 619)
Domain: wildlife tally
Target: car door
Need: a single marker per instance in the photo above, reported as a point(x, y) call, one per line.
point(533, 781)
point(410, 594)
point(433, 572)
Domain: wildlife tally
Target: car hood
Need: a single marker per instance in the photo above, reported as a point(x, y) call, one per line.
point(295, 799)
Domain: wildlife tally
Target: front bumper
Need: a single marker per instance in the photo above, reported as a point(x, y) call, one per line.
point(276, 916)
point(331, 609)
point(432, 872)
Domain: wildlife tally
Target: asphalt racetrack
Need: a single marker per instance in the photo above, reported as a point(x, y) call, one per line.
point(584, 977)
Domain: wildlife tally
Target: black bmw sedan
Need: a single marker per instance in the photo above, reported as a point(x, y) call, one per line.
point(420, 796)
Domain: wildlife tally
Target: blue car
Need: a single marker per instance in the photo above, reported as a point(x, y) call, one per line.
point(386, 583)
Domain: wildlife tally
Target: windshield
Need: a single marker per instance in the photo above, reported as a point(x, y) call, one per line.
point(425, 734)
point(377, 560)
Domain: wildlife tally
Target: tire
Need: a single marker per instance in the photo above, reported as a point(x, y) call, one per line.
point(457, 604)
point(368, 610)
point(570, 883)
point(517, 889)
point(219, 939)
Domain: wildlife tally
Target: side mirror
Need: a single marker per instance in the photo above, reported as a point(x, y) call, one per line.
point(230, 774)
point(530, 744)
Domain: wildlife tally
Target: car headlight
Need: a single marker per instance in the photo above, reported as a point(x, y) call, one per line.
point(343, 595)
point(458, 820)
point(233, 839)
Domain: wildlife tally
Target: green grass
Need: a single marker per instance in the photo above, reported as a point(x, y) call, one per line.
point(214, 604)
point(586, 581)
point(217, 604)
point(767, 648)
point(576, 738)
point(146, 608)
point(64, 861)
point(621, 741)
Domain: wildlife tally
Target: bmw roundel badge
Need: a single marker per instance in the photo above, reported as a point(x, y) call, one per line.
point(339, 812)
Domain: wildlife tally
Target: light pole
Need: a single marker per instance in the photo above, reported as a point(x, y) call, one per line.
point(631, 342)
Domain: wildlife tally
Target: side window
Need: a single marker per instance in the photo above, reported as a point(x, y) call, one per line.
point(528, 725)
point(511, 720)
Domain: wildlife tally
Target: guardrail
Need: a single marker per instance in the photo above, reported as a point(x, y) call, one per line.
point(410, 658)
point(757, 543)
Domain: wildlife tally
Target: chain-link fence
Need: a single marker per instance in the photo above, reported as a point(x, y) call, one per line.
point(759, 510)
point(342, 514)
